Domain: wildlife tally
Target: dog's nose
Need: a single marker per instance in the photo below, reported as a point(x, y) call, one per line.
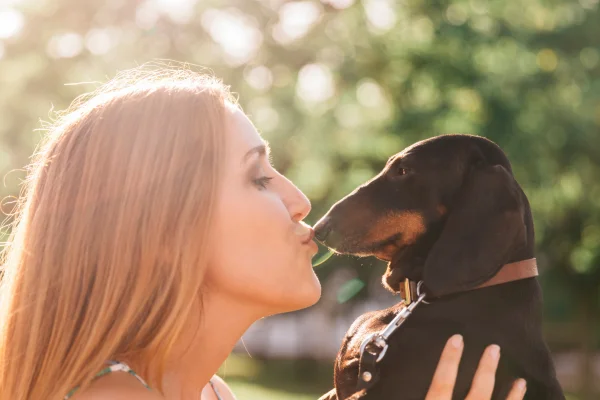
point(322, 229)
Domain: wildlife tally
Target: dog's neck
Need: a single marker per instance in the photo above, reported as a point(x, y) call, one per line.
point(510, 272)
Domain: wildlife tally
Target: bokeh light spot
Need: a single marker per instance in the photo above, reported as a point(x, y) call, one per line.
point(66, 45)
point(11, 23)
point(315, 83)
point(547, 60)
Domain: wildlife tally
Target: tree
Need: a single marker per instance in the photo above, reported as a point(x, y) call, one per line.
point(338, 86)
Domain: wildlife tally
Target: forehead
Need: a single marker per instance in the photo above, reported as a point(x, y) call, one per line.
point(241, 132)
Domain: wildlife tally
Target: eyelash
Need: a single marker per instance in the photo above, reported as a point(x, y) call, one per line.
point(263, 181)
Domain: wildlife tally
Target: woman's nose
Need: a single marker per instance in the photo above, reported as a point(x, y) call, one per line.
point(296, 202)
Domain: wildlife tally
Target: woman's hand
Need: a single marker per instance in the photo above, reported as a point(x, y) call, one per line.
point(483, 383)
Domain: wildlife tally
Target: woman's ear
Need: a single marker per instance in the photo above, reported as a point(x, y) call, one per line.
point(483, 225)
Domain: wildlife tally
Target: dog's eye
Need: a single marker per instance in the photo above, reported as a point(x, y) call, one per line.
point(402, 171)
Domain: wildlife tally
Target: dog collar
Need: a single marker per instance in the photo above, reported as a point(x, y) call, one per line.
point(410, 290)
point(374, 347)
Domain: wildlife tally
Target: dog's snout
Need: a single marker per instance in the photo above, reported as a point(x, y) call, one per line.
point(322, 228)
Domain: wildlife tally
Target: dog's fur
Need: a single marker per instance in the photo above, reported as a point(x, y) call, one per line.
point(447, 211)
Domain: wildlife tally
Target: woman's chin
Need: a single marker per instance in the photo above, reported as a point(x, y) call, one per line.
point(301, 296)
point(315, 292)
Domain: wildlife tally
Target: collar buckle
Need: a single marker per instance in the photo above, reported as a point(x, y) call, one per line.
point(408, 291)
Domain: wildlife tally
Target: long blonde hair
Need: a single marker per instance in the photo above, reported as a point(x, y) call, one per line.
point(107, 253)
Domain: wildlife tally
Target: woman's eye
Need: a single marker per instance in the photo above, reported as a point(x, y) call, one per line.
point(263, 181)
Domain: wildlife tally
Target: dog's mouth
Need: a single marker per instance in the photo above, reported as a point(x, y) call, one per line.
point(384, 250)
point(387, 249)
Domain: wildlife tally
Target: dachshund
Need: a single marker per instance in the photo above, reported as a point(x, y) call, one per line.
point(446, 212)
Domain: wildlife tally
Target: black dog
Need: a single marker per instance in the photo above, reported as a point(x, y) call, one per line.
point(446, 211)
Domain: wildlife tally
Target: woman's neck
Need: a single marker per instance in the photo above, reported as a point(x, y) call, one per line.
point(220, 324)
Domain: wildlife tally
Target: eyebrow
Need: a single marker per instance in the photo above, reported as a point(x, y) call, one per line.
point(262, 150)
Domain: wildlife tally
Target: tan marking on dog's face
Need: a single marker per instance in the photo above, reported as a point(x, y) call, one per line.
point(408, 223)
point(441, 209)
point(414, 226)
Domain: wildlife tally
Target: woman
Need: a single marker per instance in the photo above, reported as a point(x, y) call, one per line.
point(152, 233)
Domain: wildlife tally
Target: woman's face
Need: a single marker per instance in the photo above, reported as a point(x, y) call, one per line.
point(262, 253)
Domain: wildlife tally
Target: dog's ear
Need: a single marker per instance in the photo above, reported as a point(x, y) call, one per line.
point(484, 223)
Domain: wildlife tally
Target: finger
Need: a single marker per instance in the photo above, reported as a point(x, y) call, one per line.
point(444, 377)
point(483, 382)
point(518, 390)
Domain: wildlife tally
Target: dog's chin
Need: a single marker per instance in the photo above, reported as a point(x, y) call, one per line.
point(398, 270)
point(392, 279)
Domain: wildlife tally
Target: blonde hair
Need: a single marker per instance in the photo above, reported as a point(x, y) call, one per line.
point(107, 253)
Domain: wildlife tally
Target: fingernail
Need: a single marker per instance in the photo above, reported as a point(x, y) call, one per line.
point(495, 352)
point(456, 341)
point(521, 386)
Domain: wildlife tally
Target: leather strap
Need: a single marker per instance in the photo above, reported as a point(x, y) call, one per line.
point(368, 374)
point(508, 273)
point(513, 272)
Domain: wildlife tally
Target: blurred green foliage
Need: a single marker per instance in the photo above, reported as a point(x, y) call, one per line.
point(337, 86)
point(252, 378)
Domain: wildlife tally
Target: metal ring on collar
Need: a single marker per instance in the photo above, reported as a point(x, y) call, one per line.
point(419, 291)
point(378, 342)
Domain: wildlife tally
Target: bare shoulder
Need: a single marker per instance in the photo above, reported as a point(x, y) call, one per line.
point(221, 387)
point(117, 386)
point(117, 395)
